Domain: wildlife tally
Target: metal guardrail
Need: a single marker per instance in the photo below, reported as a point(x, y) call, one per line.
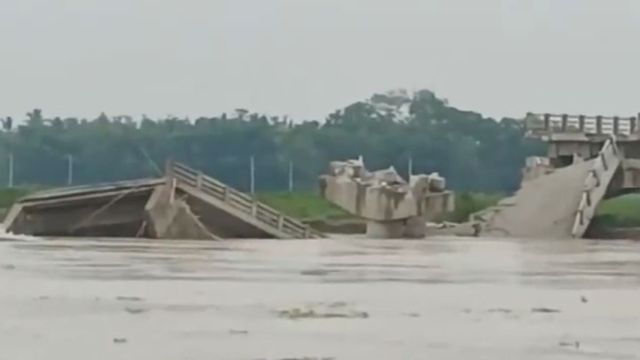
point(242, 202)
point(611, 125)
point(608, 159)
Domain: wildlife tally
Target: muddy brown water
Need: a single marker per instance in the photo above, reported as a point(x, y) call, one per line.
point(443, 298)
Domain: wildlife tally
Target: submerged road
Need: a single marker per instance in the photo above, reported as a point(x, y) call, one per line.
point(443, 298)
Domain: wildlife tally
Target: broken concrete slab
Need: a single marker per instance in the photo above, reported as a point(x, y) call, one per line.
point(185, 204)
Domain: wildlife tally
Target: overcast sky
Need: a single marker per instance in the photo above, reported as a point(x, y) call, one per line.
point(306, 58)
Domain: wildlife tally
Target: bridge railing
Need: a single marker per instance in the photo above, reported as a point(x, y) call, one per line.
point(608, 125)
point(595, 185)
point(241, 201)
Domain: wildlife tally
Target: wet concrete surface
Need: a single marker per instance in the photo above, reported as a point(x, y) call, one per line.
point(444, 298)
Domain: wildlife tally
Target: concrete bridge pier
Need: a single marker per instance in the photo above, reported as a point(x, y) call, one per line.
point(394, 229)
point(392, 208)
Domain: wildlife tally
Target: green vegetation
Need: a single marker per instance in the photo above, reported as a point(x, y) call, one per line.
point(622, 211)
point(476, 154)
point(303, 205)
point(473, 152)
point(9, 196)
point(469, 203)
point(310, 206)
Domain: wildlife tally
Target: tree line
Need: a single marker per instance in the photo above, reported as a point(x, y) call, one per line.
point(473, 152)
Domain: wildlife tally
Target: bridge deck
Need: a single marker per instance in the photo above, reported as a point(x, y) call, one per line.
point(589, 127)
point(215, 201)
point(184, 198)
point(557, 205)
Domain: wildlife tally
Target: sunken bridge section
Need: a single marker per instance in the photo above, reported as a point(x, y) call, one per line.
point(589, 159)
point(183, 204)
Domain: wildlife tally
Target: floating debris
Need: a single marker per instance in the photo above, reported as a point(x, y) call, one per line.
point(297, 313)
point(315, 272)
point(500, 310)
point(309, 358)
point(574, 344)
point(135, 310)
point(119, 340)
point(128, 298)
point(545, 310)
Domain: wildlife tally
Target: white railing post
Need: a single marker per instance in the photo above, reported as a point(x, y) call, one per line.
point(280, 222)
point(587, 197)
point(594, 173)
point(168, 169)
point(226, 196)
point(254, 208)
point(603, 159)
point(199, 180)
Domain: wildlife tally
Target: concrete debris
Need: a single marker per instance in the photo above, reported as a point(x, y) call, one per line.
point(135, 311)
point(545, 310)
point(297, 314)
point(392, 206)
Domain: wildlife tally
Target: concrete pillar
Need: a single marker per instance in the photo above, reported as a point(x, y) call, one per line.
point(416, 227)
point(547, 122)
point(386, 229)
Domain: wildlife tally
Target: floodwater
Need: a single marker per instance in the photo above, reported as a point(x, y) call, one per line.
point(443, 298)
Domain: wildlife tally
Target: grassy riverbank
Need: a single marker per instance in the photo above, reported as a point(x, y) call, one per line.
point(468, 203)
point(303, 205)
point(622, 211)
point(9, 196)
point(308, 205)
point(619, 212)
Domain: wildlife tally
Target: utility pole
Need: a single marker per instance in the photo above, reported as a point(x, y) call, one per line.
point(290, 176)
point(410, 167)
point(69, 169)
point(252, 175)
point(11, 169)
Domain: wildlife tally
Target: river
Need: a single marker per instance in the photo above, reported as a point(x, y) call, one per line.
point(442, 298)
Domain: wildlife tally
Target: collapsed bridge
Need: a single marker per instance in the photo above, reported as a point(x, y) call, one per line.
point(183, 204)
point(589, 159)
